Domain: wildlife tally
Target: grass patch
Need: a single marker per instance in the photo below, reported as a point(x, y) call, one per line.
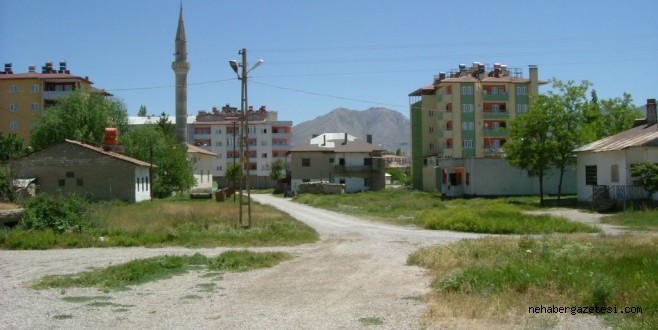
point(63, 316)
point(396, 206)
point(192, 296)
point(189, 223)
point(85, 299)
point(153, 269)
point(497, 217)
point(371, 321)
point(638, 220)
point(428, 210)
point(499, 278)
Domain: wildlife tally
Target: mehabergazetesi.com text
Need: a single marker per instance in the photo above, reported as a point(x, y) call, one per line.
point(573, 310)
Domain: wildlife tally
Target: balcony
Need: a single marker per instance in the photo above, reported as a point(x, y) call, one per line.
point(353, 169)
point(54, 95)
point(495, 114)
point(495, 96)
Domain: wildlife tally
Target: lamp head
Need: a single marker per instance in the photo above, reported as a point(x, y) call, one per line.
point(257, 64)
point(234, 65)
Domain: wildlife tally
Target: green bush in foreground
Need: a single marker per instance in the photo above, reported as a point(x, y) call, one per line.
point(498, 218)
point(152, 269)
point(513, 274)
point(58, 213)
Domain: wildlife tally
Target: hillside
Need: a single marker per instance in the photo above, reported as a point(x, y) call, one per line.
point(388, 128)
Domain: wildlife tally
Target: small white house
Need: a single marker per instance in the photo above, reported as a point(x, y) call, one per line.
point(202, 162)
point(607, 162)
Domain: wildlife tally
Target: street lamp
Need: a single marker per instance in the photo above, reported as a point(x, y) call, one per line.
point(244, 129)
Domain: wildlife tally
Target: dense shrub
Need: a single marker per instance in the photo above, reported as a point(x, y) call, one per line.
point(58, 213)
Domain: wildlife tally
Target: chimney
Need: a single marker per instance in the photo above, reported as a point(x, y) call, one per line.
point(534, 79)
point(369, 138)
point(8, 69)
point(345, 140)
point(651, 112)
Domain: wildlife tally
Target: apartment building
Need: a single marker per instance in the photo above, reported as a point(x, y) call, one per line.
point(218, 131)
point(24, 96)
point(338, 158)
point(464, 114)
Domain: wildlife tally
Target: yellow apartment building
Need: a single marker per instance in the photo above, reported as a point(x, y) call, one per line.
point(24, 96)
point(464, 114)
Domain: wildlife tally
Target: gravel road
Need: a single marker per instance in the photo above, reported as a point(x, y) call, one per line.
point(355, 277)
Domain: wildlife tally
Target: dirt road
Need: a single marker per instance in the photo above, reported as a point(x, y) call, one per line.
point(355, 277)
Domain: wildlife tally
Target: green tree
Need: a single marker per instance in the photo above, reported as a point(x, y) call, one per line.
point(81, 116)
point(397, 174)
point(276, 170)
point(142, 111)
point(11, 147)
point(531, 145)
point(234, 174)
point(566, 112)
point(619, 114)
point(173, 169)
point(646, 175)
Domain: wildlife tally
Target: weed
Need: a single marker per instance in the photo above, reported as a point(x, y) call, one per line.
point(63, 316)
point(498, 278)
point(137, 272)
point(371, 321)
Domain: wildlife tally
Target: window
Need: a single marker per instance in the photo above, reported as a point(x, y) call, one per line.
point(468, 143)
point(79, 182)
point(495, 108)
point(35, 88)
point(367, 162)
point(467, 90)
point(264, 155)
point(331, 160)
point(35, 106)
point(431, 113)
point(263, 143)
point(137, 183)
point(13, 126)
point(13, 88)
point(264, 130)
point(432, 146)
point(431, 129)
point(521, 90)
point(590, 175)
point(521, 108)
point(468, 126)
point(468, 178)
point(61, 182)
point(70, 174)
point(218, 131)
point(306, 162)
point(218, 143)
point(614, 173)
point(219, 168)
point(467, 107)
point(147, 183)
point(13, 107)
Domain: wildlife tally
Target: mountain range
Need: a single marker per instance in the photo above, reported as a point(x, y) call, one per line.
point(389, 129)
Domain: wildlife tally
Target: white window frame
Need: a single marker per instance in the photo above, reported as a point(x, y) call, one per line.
point(521, 90)
point(521, 108)
point(467, 107)
point(468, 144)
point(13, 107)
point(35, 106)
point(467, 90)
point(35, 88)
point(13, 88)
point(13, 126)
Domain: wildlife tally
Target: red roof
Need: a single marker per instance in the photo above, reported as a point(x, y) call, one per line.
point(111, 154)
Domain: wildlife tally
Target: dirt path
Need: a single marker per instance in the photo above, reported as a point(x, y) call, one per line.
point(355, 277)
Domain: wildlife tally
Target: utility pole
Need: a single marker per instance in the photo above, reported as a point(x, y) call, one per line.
point(244, 134)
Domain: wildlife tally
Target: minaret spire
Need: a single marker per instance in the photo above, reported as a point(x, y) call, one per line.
point(181, 66)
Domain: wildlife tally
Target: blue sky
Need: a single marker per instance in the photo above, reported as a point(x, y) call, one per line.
point(321, 55)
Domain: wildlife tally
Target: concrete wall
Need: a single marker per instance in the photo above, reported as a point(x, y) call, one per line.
point(85, 172)
point(495, 177)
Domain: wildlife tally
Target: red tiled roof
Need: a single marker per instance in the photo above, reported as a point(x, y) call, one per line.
point(194, 149)
point(110, 153)
point(36, 75)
